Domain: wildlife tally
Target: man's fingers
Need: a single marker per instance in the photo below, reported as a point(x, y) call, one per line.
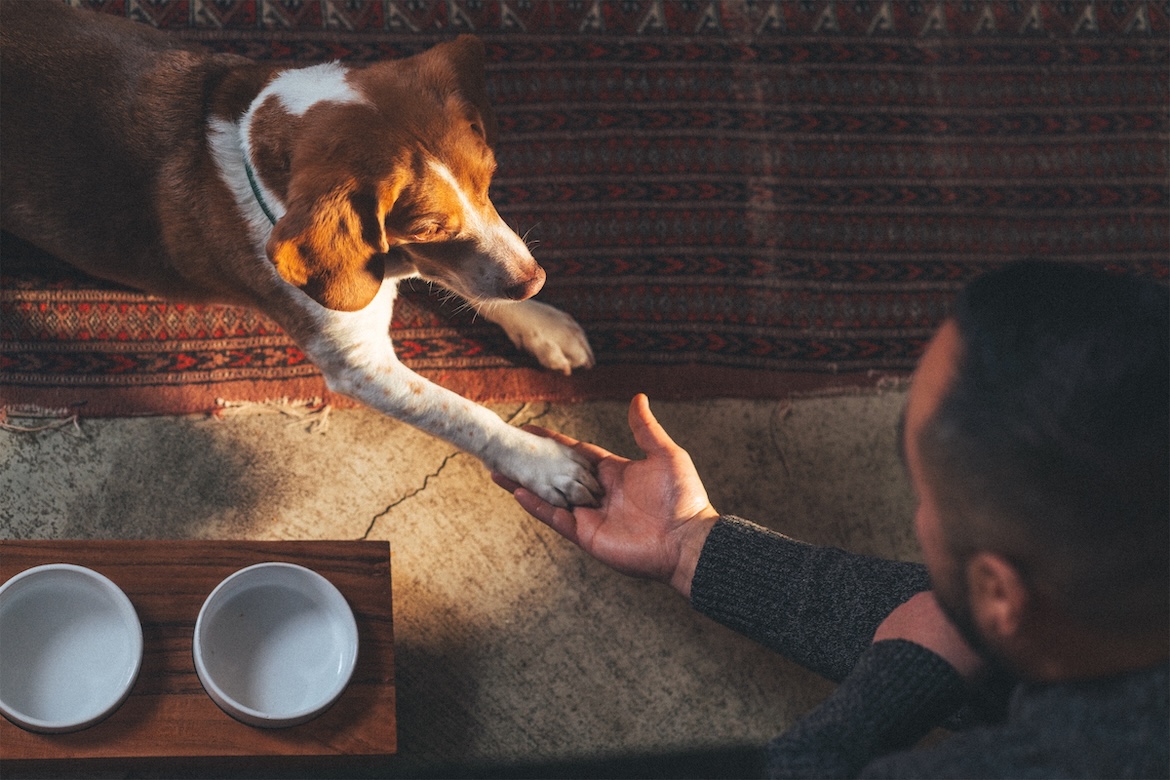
point(504, 482)
point(560, 520)
point(649, 435)
point(556, 518)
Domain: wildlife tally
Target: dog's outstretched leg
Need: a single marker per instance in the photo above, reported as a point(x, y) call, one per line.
point(355, 352)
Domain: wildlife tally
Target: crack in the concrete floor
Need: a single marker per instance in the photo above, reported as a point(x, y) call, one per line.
point(776, 418)
point(426, 481)
point(514, 419)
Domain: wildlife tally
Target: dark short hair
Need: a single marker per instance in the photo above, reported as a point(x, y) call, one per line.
point(1051, 446)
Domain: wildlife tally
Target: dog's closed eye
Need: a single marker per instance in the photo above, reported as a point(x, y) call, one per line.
point(431, 231)
point(425, 229)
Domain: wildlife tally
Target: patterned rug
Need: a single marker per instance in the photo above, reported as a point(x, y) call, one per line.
point(735, 198)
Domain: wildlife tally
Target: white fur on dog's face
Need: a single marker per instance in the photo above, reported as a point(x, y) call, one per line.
point(465, 245)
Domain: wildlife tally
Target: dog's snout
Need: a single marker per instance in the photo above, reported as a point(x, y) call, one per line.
point(526, 289)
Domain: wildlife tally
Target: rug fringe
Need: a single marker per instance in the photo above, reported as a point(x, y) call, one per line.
point(59, 418)
point(311, 412)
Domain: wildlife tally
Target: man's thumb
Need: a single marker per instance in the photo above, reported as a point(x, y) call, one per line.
point(649, 435)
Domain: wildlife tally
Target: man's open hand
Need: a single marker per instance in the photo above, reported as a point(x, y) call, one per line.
point(655, 514)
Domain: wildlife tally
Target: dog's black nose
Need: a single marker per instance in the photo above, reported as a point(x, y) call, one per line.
point(526, 289)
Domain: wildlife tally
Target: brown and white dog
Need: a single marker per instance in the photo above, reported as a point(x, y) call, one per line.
point(307, 193)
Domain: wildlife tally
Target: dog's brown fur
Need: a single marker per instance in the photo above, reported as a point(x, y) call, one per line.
point(122, 152)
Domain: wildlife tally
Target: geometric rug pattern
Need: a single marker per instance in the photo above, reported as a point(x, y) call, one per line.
point(733, 198)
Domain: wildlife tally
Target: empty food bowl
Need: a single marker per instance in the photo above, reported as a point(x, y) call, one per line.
point(275, 644)
point(70, 648)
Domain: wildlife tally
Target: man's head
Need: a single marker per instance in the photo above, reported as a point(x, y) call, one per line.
point(1037, 434)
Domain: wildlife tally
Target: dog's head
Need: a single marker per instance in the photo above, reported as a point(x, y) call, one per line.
point(405, 167)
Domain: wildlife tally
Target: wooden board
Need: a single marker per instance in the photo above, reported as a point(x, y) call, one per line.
point(168, 716)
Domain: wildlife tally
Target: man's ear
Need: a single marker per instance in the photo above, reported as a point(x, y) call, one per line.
point(330, 245)
point(999, 597)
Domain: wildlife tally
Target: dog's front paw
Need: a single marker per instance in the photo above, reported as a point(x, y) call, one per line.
point(551, 336)
point(552, 471)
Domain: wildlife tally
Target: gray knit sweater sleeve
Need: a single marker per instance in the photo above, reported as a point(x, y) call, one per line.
point(817, 606)
point(820, 606)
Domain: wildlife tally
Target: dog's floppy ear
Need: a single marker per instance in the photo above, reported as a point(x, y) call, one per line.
point(330, 244)
point(465, 57)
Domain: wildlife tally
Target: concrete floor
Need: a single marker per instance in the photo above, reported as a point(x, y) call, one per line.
point(512, 647)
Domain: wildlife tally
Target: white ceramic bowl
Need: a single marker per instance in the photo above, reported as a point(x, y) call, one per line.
point(70, 648)
point(275, 644)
